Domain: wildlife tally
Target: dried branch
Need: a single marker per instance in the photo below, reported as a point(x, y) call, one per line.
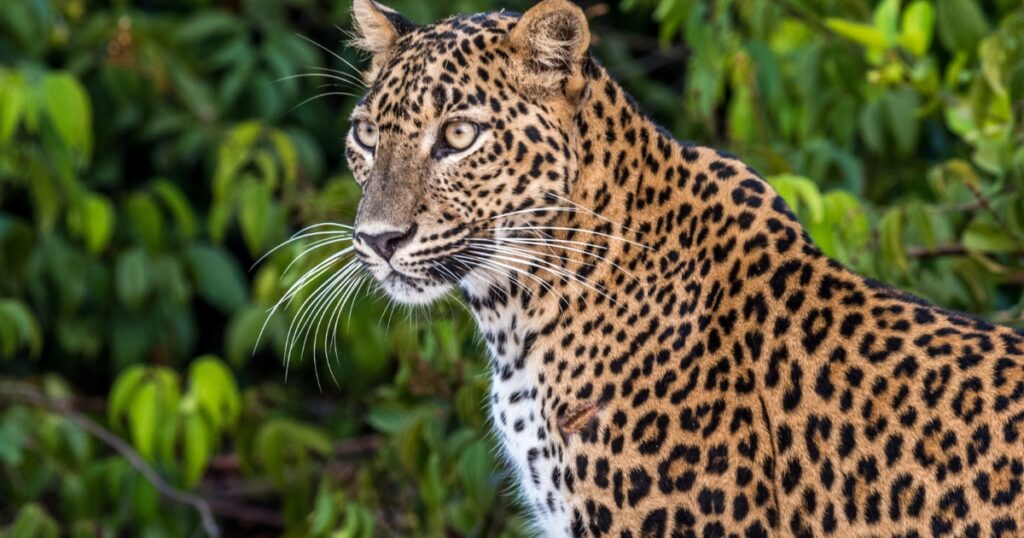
point(24, 394)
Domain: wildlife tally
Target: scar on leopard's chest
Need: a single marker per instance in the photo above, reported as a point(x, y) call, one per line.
point(581, 419)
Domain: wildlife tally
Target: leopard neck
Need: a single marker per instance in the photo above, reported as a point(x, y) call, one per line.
point(623, 161)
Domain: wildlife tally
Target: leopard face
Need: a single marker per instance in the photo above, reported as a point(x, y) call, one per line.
point(451, 150)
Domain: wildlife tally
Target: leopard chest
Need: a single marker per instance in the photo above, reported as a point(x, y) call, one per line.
point(528, 438)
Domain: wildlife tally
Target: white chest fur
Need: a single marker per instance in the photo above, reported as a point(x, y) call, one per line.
point(523, 430)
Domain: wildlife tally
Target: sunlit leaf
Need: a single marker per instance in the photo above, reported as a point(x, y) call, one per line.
point(122, 393)
point(68, 107)
point(861, 33)
point(12, 104)
point(916, 28)
point(199, 446)
point(93, 219)
point(143, 419)
point(213, 386)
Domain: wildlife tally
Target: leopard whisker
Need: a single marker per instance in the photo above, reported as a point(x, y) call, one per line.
point(541, 242)
point(352, 77)
point(311, 311)
point(500, 269)
point(327, 94)
point(316, 246)
point(592, 212)
point(543, 283)
point(297, 237)
point(316, 75)
point(569, 229)
point(328, 51)
point(294, 289)
point(567, 275)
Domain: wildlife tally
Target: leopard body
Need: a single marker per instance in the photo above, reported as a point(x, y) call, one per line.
point(672, 356)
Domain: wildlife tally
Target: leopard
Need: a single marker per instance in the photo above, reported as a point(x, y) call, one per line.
point(670, 353)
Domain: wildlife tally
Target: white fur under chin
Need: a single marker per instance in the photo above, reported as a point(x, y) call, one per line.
point(549, 516)
point(423, 293)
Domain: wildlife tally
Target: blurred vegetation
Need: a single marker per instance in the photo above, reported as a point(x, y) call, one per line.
point(151, 152)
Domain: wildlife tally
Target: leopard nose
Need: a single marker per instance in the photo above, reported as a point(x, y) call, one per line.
point(386, 243)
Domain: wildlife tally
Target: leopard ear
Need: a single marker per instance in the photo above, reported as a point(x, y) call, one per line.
point(551, 41)
point(377, 27)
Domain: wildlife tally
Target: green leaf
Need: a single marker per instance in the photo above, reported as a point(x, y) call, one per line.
point(287, 155)
point(899, 108)
point(800, 192)
point(861, 33)
point(13, 103)
point(255, 209)
point(34, 522)
point(916, 28)
point(960, 24)
point(218, 277)
point(18, 327)
point(922, 223)
point(985, 236)
point(143, 419)
point(240, 337)
point(67, 106)
point(132, 278)
point(214, 389)
point(199, 447)
point(872, 127)
point(885, 19)
point(122, 393)
point(178, 205)
point(894, 252)
point(206, 25)
point(476, 469)
point(14, 437)
point(146, 219)
point(994, 57)
point(325, 511)
point(280, 441)
point(93, 219)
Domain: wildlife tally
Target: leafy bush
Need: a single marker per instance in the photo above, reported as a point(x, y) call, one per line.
point(149, 156)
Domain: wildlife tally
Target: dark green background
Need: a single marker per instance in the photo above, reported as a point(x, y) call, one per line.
point(150, 152)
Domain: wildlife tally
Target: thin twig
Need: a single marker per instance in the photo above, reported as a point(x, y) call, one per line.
point(20, 393)
point(942, 251)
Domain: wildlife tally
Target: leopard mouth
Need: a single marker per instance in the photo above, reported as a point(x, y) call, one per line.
point(412, 290)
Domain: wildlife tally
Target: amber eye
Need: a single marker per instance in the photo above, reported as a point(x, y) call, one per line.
point(459, 135)
point(366, 134)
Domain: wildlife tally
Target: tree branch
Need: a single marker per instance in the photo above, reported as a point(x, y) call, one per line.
point(20, 393)
point(941, 251)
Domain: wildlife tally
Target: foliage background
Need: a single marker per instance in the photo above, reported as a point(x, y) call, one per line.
point(151, 151)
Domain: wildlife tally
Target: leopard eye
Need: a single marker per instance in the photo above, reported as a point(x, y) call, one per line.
point(366, 134)
point(459, 135)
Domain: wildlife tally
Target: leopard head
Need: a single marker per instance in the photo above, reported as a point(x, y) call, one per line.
point(466, 133)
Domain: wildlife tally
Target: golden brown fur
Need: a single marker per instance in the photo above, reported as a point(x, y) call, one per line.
point(672, 354)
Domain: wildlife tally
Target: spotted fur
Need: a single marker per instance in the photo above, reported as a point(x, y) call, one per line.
point(672, 355)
